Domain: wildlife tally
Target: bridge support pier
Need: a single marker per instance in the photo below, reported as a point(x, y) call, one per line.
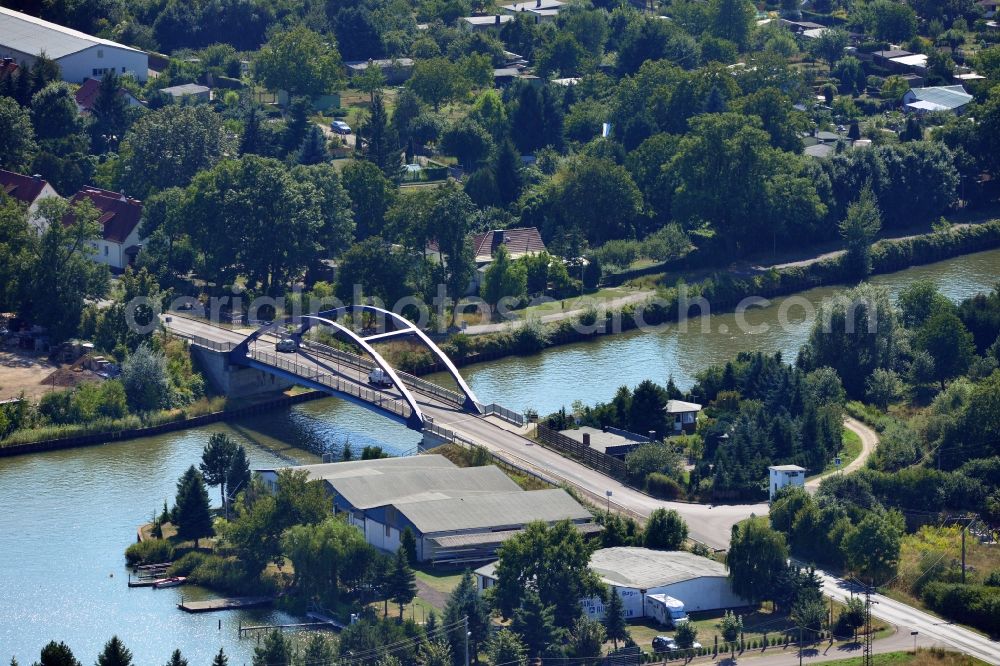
point(235, 381)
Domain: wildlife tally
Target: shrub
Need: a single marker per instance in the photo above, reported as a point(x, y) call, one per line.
point(663, 486)
point(976, 605)
point(151, 551)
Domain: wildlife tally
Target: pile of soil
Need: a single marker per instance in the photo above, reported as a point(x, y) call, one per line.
point(70, 377)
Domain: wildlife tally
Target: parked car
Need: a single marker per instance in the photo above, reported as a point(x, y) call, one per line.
point(286, 346)
point(379, 377)
point(340, 127)
point(664, 644)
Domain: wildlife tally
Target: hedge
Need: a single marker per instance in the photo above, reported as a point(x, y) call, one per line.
point(975, 605)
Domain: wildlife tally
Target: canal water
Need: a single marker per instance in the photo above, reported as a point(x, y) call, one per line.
point(66, 516)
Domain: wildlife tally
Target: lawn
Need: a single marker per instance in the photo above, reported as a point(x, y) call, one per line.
point(849, 451)
point(574, 303)
point(932, 657)
point(443, 580)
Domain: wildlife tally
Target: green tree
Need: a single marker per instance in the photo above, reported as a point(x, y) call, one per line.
point(438, 81)
point(237, 475)
point(323, 555)
point(732, 20)
point(873, 548)
point(55, 117)
point(597, 198)
point(647, 411)
point(859, 230)
point(504, 648)
point(435, 653)
point(144, 376)
point(504, 278)
point(274, 651)
point(220, 659)
point(61, 273)
point(586, 641)
point(534, 622)
point(313, 149)
point(649, 458)
point(371, 195)
point(407, 542)
point(556, 560)
point(918, 301)
point(355, 272)
point(57, 654)
point(371, 81)
point(381, 144)
point(883, 387)
point(216, 459)
point(949, 343)
point(830, 45)
point(467, 141)
point(686, 635)
point(452, 212)
point(319, 650)
point(403, 583)
point(507, 172)
point(167, 147)
point(614, 617)
point(177, 659)
point(114, 654)
point(665, 530)
point(757, 556)
point(466, 602)
point(852, 615)
point(299, 61)
point(191, 514)
point(891, 21)
point(17, 136)
point(731, 627)
point(110, 111)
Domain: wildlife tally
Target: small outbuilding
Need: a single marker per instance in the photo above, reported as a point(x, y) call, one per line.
point(684, 415)
point(610, 441)
point(785, 475)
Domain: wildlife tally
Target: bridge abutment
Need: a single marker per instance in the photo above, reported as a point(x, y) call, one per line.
point(235, 381)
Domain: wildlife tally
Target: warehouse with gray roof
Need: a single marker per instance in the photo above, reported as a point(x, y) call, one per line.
point(456, 514)
point(80, 56)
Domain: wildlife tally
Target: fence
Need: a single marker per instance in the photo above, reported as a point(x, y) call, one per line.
point(501, 412)
point(327, 379)
point(602, 462)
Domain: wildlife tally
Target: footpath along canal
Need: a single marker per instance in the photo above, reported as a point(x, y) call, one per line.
point(67, 515)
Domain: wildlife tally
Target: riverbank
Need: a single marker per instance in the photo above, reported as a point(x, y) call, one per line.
point(724, 290)
point(134, 427)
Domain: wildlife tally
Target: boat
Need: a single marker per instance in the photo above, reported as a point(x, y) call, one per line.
point(173, 581)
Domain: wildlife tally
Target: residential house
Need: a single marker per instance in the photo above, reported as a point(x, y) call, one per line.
point(614, 442)
point(542, 10)
point(519, 242)
point(395, 70)
point(188, 91)
point(86, 96)
point(683, 416)
point(989, 7)
point(29, 190)
point(79, 55)
point(936, 98)
point(484, 23)
point(119, 217)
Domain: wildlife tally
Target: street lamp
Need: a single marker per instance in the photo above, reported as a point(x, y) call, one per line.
point(914, 634)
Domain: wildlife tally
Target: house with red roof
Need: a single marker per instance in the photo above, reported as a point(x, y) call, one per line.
point(519, 242)
point(119, 216)
point(29, 190)
point(86, 96)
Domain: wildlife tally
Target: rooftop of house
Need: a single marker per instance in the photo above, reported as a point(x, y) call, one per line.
point(938, 98)
point(519, 242)
point(371, 468)
point(681, 407)
point(627, 566)
point(602, 440)
point(534, 5)
point(362, 65)
point(912, 60)
point(492, 19)
point(405, 486)
point(185, 89)
point(32, 36)
point(21, 187)
point(497, 510)
point(787, 468)
point(819, 150)
point(118, 215)
point(891, 53)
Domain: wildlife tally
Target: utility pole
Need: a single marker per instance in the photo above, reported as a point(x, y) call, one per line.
point(465, 624)
point(867, 657)
point(800, 645)
point(964, 529)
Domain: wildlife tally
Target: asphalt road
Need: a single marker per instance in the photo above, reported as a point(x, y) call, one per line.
point(706, 523)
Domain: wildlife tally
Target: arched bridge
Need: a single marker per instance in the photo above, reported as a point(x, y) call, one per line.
point(344, 374)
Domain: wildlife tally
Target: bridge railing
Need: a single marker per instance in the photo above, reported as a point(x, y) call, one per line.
point(330, 380)
point(362, 363)
point(214, 345)
point(501, 412)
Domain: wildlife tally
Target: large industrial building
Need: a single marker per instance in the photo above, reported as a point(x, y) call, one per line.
point(456, 514)
point(646, 579)
point(80, 56)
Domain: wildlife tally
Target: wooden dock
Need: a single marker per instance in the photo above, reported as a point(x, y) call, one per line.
point(225, 603)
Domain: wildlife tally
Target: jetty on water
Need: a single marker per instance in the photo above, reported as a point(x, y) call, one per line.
point(225, 603)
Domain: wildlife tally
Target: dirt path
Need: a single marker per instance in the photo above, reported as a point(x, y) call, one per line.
point(610, 304)
point(435, 598)
point(869, 440)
